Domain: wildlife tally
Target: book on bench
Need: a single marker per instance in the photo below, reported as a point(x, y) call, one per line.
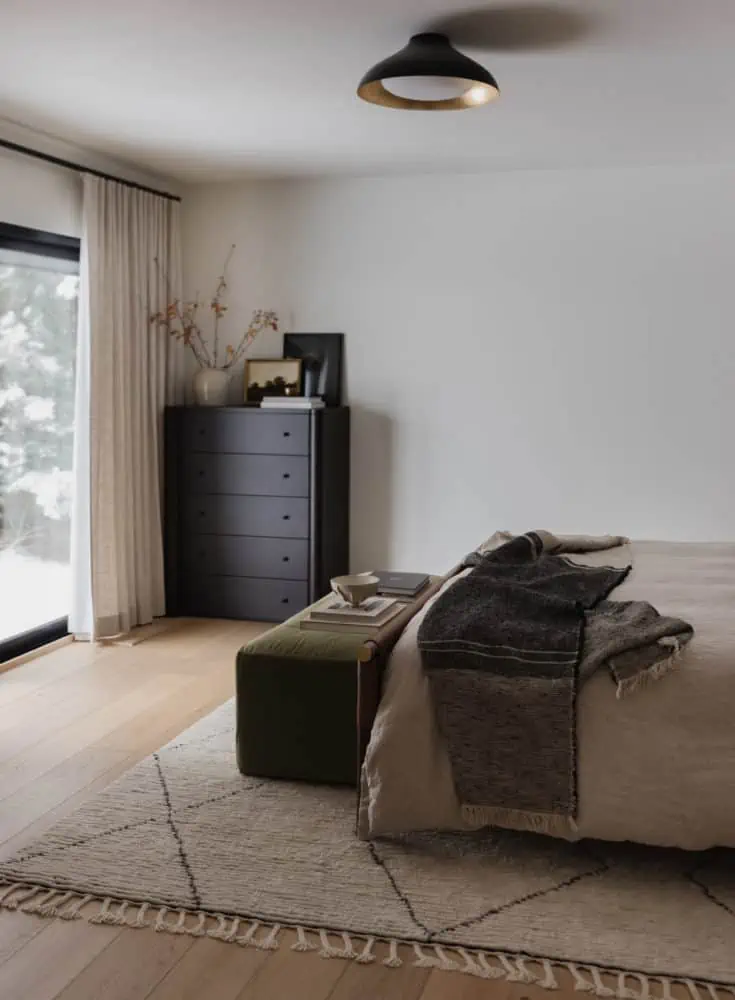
point(340, 616)
point(401, 584)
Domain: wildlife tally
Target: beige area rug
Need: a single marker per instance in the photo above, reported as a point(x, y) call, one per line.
point(183, 843)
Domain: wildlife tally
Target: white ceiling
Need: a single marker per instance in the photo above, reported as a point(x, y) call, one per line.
point(201, 89)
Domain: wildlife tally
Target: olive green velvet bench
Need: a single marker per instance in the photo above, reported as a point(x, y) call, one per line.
point(296, 696)
point(306, 700)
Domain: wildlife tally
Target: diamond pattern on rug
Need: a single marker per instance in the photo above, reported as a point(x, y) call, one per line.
point(715, 878)
point(171, 821)
point(473, 890)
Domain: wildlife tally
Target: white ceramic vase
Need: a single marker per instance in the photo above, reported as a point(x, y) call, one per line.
point(210, 386)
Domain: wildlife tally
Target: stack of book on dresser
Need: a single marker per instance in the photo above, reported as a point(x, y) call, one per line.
point(292, 403)
point(336, 615)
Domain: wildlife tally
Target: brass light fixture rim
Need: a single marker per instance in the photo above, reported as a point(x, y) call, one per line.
point(375, 92)
point(428, 54)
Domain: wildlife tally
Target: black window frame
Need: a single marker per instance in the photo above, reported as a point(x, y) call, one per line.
point(43, 244)
point(39, 242)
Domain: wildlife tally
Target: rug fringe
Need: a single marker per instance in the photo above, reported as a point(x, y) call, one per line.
point(65, 904)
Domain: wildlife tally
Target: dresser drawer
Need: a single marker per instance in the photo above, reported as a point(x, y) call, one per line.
point(250, 432)
point(224, 514)
point(237, 597)
point(257, 475)
point(238, 555)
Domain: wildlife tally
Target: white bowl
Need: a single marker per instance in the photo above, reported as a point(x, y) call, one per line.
point(355, 588)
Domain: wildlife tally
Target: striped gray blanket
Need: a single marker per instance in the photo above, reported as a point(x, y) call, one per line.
point(505, 650)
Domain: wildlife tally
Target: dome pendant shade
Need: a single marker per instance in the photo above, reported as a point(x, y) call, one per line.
point(428, 75)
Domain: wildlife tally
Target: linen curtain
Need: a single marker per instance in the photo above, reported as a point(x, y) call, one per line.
point(128, 370)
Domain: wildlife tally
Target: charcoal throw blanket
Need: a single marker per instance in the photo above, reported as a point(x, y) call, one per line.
point(505, 650)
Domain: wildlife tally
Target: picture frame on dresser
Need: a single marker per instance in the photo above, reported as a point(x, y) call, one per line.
point(321, 358)
point(268, 377)
point(256, 509)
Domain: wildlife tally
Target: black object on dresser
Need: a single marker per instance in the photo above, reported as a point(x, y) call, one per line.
point(257, 509)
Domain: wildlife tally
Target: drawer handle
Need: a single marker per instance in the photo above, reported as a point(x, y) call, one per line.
point(287, 558)
point(201, 513)
point(201, 430)
point(284, 600)
point(201, 472)
point(286, 475)
point(286, 517)
point(287, 434)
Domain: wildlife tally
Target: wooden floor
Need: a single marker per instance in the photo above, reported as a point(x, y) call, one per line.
point(74, 719)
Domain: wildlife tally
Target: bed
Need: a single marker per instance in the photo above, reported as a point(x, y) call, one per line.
point(657, 767)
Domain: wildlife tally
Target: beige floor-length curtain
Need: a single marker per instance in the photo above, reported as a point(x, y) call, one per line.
point(128, 371)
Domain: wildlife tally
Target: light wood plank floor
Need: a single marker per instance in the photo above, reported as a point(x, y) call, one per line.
point(74, 719)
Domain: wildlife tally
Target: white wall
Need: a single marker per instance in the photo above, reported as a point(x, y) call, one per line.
point(527, 349)
point(39, 196)
point(215, 217)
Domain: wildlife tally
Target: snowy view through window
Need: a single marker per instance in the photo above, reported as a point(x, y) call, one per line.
point(38, 308)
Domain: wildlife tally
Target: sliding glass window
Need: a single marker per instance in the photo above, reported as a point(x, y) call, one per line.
point(39, 284)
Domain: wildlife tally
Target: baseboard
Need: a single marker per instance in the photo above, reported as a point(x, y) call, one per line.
point(33, 654)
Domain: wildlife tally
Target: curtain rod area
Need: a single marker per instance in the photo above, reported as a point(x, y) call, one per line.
point(80, 168)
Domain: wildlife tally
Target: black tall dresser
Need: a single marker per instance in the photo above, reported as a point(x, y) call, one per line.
point(257, 509)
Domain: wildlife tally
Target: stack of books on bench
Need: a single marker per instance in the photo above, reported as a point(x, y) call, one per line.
point(337, 615)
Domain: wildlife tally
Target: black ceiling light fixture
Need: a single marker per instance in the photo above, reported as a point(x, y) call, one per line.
point(428, 75)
